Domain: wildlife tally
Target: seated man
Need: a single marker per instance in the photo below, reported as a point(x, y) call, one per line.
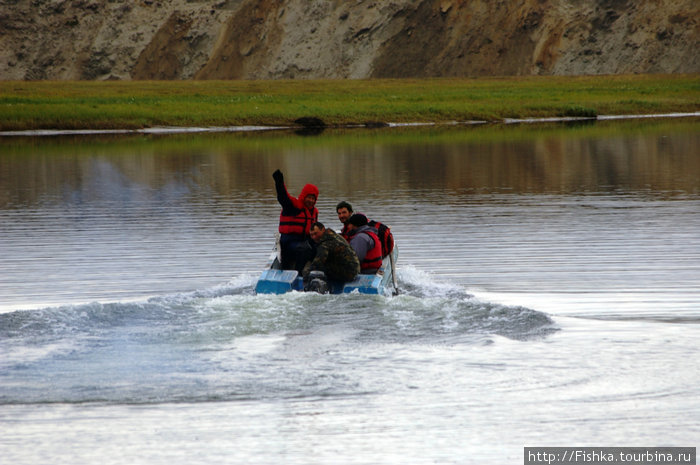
point(344, 210)
point(365, 243)
point(334, 256)
point(296, 218)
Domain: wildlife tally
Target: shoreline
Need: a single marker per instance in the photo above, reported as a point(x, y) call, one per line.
point(165, 130)
point(246, 106)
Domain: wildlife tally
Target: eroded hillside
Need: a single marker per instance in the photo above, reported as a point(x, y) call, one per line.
point(267, 39)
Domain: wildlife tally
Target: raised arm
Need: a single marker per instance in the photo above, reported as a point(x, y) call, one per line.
point(282, 195)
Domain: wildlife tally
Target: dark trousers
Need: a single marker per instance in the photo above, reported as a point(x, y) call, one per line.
point(297, 250)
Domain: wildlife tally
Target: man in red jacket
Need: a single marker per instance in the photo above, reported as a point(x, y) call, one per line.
point(296, 218)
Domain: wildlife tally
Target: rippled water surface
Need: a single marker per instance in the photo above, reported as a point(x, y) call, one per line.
point(549, 296)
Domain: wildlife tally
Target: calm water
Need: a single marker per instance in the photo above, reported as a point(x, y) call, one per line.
point(550, 296)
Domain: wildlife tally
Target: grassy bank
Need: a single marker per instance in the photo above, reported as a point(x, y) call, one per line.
point(137, 104)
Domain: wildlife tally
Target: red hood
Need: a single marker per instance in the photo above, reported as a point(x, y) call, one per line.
point(308, 189)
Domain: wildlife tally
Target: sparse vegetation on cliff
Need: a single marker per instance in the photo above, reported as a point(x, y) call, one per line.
point(299, 39)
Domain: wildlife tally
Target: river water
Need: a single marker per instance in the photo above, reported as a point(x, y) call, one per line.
point(549, 283)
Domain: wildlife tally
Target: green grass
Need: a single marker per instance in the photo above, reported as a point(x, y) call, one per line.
point(137, 104)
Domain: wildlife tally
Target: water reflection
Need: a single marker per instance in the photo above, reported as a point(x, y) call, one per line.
point(634, 157)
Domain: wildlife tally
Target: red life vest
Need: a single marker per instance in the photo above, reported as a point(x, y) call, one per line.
point(302, 221)
point(345, 233)
point(385, 236)
point(299, 224)
point(373, 259)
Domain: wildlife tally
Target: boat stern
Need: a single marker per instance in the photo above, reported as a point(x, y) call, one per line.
point(278, 282)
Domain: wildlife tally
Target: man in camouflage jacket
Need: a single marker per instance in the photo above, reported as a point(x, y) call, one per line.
point(334, 256)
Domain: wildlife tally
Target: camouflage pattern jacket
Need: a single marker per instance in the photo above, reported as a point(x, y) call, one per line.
point(335, 257)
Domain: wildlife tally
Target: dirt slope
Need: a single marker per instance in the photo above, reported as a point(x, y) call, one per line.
point(268, 39)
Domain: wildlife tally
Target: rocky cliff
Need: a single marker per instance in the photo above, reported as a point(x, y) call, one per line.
point(303, 39)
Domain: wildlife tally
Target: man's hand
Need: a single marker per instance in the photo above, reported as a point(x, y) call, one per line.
point(278, 176)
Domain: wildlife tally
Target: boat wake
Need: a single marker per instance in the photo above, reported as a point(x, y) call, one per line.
point(221, 342)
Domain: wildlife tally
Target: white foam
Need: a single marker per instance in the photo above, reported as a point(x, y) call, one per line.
point(427, 282)
point(27, 354)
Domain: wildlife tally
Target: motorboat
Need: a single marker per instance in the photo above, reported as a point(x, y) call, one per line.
point(275, 280)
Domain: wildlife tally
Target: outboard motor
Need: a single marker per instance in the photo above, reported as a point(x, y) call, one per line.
point(317, 282)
